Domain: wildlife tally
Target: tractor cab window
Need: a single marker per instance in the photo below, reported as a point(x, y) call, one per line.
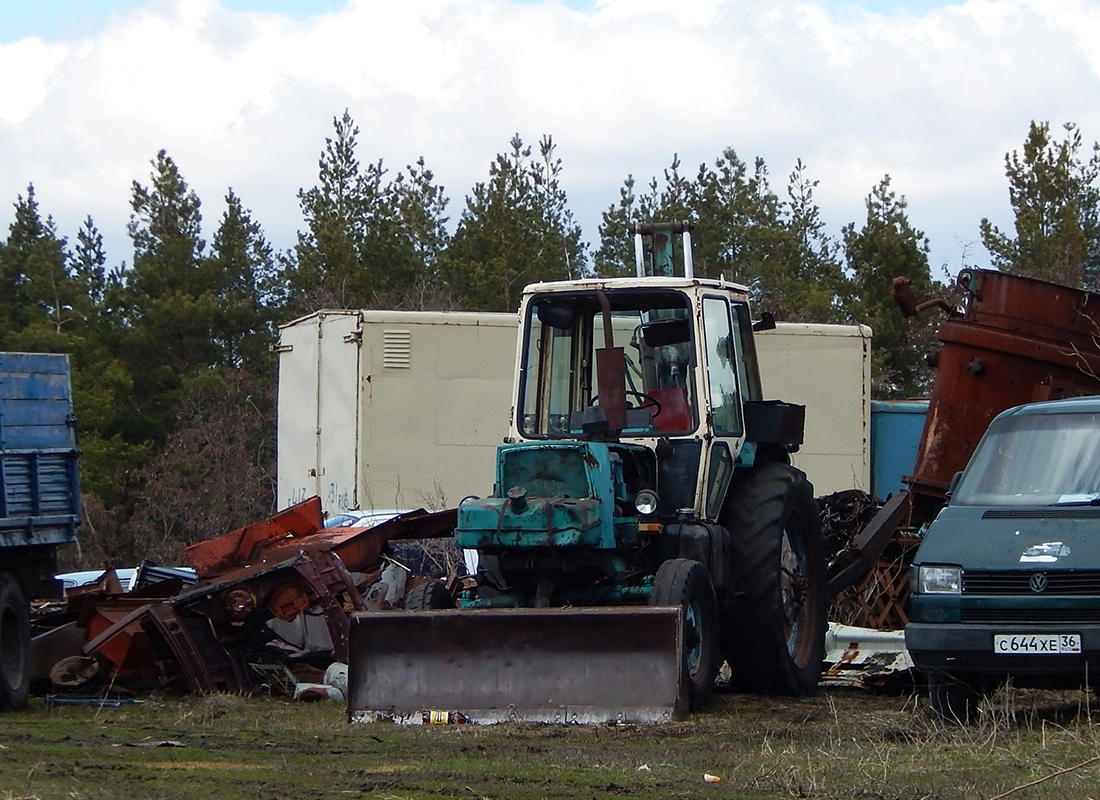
point(723, 365)
point(565, 334)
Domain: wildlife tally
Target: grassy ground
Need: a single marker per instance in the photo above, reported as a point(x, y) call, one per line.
point(839, 744)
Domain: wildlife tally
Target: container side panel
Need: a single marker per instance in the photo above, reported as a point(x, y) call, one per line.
point(435, 412)
point(896, 429)
point(338, 412)
point(823, 367)
point(297, 412)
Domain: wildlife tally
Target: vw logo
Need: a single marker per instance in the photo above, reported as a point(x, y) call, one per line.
point(1038, 582)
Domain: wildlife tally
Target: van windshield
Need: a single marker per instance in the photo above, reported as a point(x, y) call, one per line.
point(1035, 459)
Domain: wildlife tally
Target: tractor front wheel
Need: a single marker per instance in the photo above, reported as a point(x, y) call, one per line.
point(686, 583)
point(774, 633)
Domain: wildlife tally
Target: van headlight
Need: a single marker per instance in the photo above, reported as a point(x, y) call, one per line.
point(939, 580)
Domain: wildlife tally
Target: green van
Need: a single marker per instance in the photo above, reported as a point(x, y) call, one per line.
point(1006, 582)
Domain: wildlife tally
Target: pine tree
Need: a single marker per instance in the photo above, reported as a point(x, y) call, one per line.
point(371, 241)
point(516, 229)
point(240, 266)
point(808, 282)
point(167, 305)
point(1056, 200)
point(888, 246)
point(33, 275)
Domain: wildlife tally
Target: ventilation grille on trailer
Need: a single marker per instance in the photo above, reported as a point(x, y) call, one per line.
point(396, 349)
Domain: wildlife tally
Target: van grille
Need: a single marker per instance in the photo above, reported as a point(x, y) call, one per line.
point(1025, 615)
point(1046, 512)
point(1064, 582)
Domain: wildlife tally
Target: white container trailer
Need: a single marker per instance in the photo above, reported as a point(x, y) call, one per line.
point(400, 409)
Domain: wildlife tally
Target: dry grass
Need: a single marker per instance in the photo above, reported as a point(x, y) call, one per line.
point(839, 744)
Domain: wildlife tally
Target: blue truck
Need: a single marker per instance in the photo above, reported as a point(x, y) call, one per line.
point(39, 501)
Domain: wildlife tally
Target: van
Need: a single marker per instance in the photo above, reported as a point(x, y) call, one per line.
point(1006, 581)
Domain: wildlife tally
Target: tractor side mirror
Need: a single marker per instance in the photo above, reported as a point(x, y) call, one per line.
point(765, 323)
point(555, 315)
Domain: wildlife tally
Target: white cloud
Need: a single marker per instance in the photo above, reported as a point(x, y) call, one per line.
point(20, 95)
point(247, 99)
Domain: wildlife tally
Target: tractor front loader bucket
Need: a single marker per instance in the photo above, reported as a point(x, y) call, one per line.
point(578, 665)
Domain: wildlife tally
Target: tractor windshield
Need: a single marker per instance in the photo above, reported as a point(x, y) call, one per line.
point(564, 335)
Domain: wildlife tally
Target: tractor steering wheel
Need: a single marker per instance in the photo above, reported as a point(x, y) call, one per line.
point(646, 401)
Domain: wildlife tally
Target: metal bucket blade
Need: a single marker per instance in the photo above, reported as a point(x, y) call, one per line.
point(577, 665)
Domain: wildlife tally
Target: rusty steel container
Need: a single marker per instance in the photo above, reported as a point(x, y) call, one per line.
point(1016, 340)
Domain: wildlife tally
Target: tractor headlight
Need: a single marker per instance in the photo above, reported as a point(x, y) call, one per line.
point(645, 502)
point(939, 580)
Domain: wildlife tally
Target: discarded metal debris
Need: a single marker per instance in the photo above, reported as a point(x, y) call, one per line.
point(232, 631)
point(864, 657)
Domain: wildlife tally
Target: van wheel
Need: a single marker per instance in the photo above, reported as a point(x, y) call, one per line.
point(686, 583)
point(774, 632)
point(953, 697)
point(15, 645)
point(428, 595)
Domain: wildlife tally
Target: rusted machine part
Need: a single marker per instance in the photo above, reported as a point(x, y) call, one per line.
point(300, 529)
point(203, 632)
point(330, 581)
point(575, 665)
point(1019, 340)
point(851, 564)
point(361, 548)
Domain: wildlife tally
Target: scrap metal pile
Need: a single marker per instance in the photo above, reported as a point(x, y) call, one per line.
point(267, 597)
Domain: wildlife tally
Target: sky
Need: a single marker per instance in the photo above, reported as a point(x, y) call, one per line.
point(243, 93)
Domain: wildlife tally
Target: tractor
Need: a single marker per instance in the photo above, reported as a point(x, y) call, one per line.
point(645, 524)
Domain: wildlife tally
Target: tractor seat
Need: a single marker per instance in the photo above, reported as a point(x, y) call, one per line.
point(675, 413)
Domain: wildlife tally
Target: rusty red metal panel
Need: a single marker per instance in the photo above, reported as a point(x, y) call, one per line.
point(1019, 340)
point(300, 529)
point(238, 548)
point(361, 548)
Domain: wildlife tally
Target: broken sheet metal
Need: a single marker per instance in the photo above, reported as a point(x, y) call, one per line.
point(864, 657)
point(301, 528)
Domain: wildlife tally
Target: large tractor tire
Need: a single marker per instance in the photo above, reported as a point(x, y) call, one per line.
point(15, 645)
point(686, 583)
point(773, 635)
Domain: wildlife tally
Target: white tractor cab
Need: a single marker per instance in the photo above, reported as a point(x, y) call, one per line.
point(643, 468)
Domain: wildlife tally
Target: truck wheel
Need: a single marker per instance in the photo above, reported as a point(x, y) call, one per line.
point(686, 583)
point(15, 645)
point(774, 633)
point(953, 697)
point(430, 594)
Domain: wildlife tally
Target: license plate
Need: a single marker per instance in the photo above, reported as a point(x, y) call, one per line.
point(1035, 644)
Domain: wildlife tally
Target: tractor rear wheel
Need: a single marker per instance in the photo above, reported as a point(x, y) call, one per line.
point(686, 583)
point(774, 634)
point(15, 645)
